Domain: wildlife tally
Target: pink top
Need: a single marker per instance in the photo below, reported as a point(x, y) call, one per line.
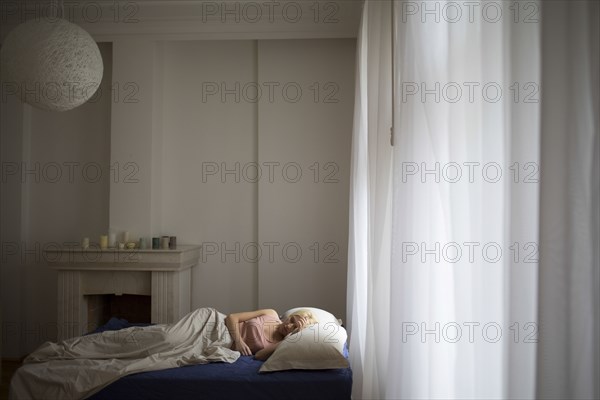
point(253, 332)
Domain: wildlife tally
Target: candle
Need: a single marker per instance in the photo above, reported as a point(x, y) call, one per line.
point(104, 242)
point(85, 243)
point(125, 236)
point(164, 242)
point(155, 243)
point(112, 240)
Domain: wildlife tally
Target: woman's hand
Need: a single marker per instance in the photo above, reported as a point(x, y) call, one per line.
point(242, 347)
point(265, 353)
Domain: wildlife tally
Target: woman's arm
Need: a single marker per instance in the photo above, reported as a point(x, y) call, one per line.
point(265, 353)
point(232, 322)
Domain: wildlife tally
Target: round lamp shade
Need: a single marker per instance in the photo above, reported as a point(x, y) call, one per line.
point(53, 65)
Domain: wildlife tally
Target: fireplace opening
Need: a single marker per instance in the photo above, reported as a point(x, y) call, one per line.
point(132, 307)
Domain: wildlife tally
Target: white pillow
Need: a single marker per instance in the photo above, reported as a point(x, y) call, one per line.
point(320, 346)
point(321, 315)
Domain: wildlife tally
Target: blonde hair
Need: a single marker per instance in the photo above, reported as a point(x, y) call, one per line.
point(305, 319)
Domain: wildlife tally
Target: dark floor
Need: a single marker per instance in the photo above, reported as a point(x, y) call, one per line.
point(8, 368)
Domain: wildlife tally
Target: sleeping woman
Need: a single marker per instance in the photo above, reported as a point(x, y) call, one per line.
point(260, 332)
point(78, 367)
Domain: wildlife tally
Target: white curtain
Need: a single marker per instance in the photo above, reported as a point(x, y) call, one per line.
point(442, 291)
point(370, 207)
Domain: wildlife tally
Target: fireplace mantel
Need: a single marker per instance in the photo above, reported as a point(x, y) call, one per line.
point(165, 275)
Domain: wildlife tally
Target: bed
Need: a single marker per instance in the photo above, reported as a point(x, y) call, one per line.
point(231, 381)
point(240, 379)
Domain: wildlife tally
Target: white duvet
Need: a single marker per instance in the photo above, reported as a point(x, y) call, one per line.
point(81, 366)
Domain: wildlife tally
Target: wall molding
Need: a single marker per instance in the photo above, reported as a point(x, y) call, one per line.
point(107, 20)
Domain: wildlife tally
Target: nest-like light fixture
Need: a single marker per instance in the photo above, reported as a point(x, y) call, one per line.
point(54, 64)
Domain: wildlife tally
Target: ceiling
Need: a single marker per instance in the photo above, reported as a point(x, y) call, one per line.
point(109, 20)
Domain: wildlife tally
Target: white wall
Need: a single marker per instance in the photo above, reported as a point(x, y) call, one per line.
point(133, 144)
point(157, 119)
point(197, 134)
point(217, 132)
point(61, 199)
point(307, 130)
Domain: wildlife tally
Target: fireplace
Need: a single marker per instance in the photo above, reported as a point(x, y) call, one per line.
point(164, 276)
point(135, 308)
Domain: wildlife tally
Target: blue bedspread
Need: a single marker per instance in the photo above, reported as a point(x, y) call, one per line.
point(239, 380)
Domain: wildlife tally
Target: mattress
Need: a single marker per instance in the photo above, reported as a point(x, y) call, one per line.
point(239, 380)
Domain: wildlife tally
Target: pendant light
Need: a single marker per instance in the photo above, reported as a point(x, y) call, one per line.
point(54, 64)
